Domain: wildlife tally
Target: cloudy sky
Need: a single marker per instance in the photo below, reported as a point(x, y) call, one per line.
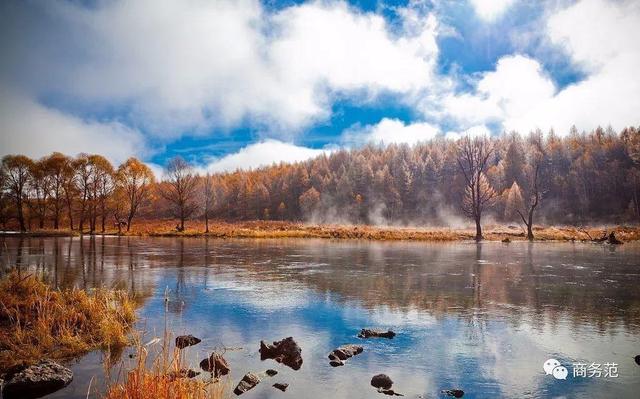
point(237, 83)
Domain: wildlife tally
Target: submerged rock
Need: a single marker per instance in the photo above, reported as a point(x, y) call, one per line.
point(37, 380)
point(248, 382)
point(215, 364)
point(456, 393)
point(637, 359)
point(183, 373)
point(281, 386)
point(389, 392)
point(285, 351)
point(339, 355)
point(183, 341)
point(381, 381)
point(367, 333)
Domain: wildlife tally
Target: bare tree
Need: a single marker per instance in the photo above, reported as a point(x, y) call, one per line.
point(134, 180)
point(16, 168)
point(208, 199)
point(473, 156)
point(40, 187)
point(57, 166)
point(180, 189)
point(532, 176)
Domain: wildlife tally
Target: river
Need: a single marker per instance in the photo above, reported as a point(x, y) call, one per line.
point(478, 317)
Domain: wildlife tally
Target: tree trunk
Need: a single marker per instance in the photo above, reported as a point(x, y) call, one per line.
point(206, 223)
point(530, 226)
point(23, 227)
point(478, 229)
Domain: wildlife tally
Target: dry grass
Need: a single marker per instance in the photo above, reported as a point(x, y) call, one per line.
point(274, 229)
point(37, 321)
point(158, 378)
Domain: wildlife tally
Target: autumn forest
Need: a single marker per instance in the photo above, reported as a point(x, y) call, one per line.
point(573, 179)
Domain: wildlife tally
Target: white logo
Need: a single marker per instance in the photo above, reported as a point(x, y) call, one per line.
point(553, 367)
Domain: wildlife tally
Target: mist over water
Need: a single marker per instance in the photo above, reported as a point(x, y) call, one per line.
point(479, 317)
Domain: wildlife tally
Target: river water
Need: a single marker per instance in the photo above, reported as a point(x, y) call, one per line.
point(478, 317)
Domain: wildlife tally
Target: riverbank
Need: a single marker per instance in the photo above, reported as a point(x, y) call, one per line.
point(40, 322)
point(274, 229)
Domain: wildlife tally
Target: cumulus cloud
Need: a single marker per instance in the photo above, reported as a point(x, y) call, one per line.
point(34, 130)
point(263, 153)
point(521, 96)
point(390, 131)
point(196, 65)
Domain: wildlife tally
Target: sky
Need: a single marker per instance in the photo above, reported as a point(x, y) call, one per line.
point(230, 84)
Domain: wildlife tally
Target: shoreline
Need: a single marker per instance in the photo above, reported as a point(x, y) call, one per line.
point(270, 230)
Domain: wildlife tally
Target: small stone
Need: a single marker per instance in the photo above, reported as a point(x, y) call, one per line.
point(183, 341)
point(456, 393)
point(637, 359)
point(285, 351)
point(183, 373)
point(215, 364)
point(37, 380)
point(248, 382)
point(367, 333)
point(339, 355)
point(281, 386)
point(381, 381)
point(271, 372)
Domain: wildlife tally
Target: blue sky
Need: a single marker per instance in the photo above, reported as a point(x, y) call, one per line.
point(230, 84)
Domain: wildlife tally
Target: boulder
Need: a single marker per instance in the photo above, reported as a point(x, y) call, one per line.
point(367, 333)
point(339, 355)
point(456, 393)
point(248, 382)
point(381, 381)
point(215, 364)
point(183, 341)
point(37, 380)
point(285, 351)
point(281, 386)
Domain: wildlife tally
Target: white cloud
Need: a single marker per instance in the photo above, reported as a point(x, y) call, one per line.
point(390, 131)
point(263, 153)
point(489, 10)
point(516, 86)
point(34, 130)
point(195, 65)
point(474, 131)
point(520, 95)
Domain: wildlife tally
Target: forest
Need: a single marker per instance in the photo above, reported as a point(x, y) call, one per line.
point(580, 178)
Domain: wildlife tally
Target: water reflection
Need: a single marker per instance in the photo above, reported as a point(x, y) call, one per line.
point(481, 317)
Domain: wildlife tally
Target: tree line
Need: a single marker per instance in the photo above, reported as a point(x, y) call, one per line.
point(578, 178)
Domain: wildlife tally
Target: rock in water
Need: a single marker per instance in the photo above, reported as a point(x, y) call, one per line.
point(183, 341)
point(183, 373)
point(367, 333)
point(285, 351)
point(339, 355)
point(637, 359)
point(37, 380)
point(215, 364)
point(249, 381)
point(456, 393)
point(281, 386)
point(381, 381)
point(613, 240)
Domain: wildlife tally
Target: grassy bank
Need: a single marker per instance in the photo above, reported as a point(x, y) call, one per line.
point(37, 321)
point(274, 229)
